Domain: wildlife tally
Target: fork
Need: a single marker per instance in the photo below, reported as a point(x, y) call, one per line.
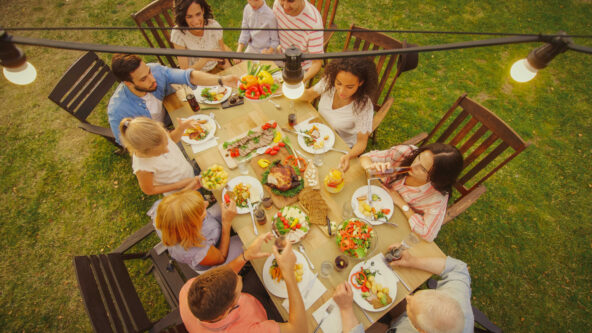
point(214, 118)
point(329, 309)
point(301, 248)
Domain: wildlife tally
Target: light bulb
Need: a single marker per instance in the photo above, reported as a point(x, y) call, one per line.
point(522, 71)
point(22, 75)
point(293, 91)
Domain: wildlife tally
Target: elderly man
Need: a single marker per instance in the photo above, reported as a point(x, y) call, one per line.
point(300, 14)
point(214, 301)
point(444, 309)
point(144, 86)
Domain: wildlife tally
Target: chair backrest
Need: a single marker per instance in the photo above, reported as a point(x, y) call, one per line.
point(157, 14)
point(362, 39)
point(83, 86)
point(327, 8)
point(486, 141)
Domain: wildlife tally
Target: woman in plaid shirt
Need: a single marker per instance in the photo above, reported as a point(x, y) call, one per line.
point(422, 192)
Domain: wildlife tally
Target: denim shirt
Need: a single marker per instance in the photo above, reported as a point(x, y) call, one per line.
point(125, 103)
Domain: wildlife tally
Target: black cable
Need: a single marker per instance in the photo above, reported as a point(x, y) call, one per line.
point(440, 32)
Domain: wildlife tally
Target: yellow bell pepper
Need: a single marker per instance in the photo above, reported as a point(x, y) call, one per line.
point(277, 137)
point(265, 77)
point(264, 163)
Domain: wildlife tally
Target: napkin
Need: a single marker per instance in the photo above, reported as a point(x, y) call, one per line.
point(213, 142)
point(318, 289)
point(333, 323)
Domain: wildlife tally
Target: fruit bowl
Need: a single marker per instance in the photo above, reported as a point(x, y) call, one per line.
point(334, 181)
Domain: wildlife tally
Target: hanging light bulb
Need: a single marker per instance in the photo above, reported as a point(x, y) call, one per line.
point(293, 87)
point(525, 70)
point(16, 68)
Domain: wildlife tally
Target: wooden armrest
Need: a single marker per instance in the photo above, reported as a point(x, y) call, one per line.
point(481, 319)
point(94, 129)
point(416, 139)
point(464, 203)
point(173, 318)
point(135, 238)
point(381, 113)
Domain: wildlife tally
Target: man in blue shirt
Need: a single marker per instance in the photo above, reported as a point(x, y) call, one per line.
point(144, 86)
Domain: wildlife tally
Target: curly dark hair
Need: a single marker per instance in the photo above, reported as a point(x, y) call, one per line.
point(181, 7)
point(448, 164)
point(364, 69)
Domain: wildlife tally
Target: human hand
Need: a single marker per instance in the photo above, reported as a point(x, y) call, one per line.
point(267, 51)
point(286, 260)
point(254, 250)
point(344, 296)
point(228, 211)
point(406, 259)
point(187, 123)
point(193, 183)
point(344, 163)
point(379, 167)
point(230, 80)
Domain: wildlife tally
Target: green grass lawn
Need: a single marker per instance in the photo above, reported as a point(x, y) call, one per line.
point(527, 241)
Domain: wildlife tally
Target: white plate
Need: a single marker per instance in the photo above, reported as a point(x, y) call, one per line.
point(201, 99)
point(386, 202)
point(277, 93)
point(256, 190)
point(279, 288)
point(210, 126)
point(325, 131)
point(384, 275)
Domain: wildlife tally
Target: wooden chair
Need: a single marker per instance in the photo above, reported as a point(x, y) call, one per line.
point(81, 88)
point(111, 300)
point(362, 39)
point(327, 8)
point(486, 142)
point(159, 13)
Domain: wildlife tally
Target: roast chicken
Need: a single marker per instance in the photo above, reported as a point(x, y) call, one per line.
point(282, 177)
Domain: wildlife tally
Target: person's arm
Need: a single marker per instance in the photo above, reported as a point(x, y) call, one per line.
point(309, 95)
point(207, 79)
point(343, 296)
point(252, 252)
point(245, 35)
point(183, 61)
point(217, 255)
point(434, 265)
point(146, 181)
point(314, 68)
point(183, 124)
point(297, 313)
point(355, 151)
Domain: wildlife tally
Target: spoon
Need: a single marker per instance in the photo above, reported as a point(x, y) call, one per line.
point(277, 106)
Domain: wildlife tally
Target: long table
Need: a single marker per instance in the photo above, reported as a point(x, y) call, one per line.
point(238, 120)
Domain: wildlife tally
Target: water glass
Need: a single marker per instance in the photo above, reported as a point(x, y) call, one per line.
point(326, 267)
point(242, 167)
point(318, 160)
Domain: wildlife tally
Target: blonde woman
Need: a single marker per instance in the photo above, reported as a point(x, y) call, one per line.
point(194, 234)
point(157, 161)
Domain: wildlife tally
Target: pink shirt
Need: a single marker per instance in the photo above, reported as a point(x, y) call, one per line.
point(306, 41)
point(250, 316)
point(428, 203)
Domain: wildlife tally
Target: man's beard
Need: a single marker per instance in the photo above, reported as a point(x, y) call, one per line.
point(144, 90)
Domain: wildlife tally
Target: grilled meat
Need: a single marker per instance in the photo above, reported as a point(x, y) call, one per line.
point(282, 177)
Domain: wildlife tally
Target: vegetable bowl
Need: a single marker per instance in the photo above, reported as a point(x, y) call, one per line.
point(356, 238)
point(258, 84)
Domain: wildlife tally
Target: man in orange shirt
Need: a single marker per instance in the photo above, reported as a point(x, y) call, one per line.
point(214, 301)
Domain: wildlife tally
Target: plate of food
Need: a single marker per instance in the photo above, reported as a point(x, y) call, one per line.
point(259, 83)
point(376, 212)
point(246, 145)
point(322, 138)
point(373, 284)
point(356, 238)
point(291, 222)
point(241, 189)
point(203, 131)
point(212, 94)
point(214, 177)
point(274, 281)
point(284, 180)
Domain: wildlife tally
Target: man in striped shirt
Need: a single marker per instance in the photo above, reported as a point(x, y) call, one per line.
point(300, 14)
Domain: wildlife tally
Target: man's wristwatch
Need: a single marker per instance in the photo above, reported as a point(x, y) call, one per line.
point(220, 82)
point(405, 208)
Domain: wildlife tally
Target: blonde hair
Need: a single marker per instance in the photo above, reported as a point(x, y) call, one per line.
point(179, 218)
point(141, 134)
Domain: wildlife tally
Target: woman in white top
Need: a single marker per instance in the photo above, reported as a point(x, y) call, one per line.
point(345, 103)
point(198, 14)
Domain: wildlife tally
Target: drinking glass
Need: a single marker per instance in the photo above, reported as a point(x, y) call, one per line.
point(326, 267)
point(406, 244)
point(318, 160)
point(242, 167)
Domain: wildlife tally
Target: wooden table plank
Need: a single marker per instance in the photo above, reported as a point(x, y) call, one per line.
point(319, 247)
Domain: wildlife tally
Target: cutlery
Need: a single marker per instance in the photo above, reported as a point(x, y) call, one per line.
point(339, 150)
point(401, 280)
point(329, 309)
point(213, 117)
point(301, 248)
point(369, 193)
point(297, 133)
point(329, 226)
point(309, 286)
point(379, 220)
point(277, 106)
point(367, 315)
point(252, 216)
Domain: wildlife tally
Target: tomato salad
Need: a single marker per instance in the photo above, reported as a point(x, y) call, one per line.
point(355, 238)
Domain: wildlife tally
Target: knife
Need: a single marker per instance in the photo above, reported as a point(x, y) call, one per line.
point(329, 225)
point(252, 216)
point(369, 193)
point(309, 286)
point(297, 133)
point(402, 282)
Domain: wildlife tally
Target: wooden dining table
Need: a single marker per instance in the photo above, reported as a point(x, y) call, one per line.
point(318, 245)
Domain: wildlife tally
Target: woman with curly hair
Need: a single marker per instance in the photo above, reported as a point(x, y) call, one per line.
point(345, 90)
point(423, 190)
point(198, 14)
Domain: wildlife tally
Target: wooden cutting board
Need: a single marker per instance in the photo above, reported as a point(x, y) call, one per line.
point(278, 200)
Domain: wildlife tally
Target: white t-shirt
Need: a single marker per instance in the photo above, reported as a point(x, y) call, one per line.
point(154, 106)
point(167, 168)
point(343, 120)
point(210, 41)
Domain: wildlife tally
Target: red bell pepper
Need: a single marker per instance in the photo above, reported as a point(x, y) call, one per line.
point(252, 92)
point(265, 89)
